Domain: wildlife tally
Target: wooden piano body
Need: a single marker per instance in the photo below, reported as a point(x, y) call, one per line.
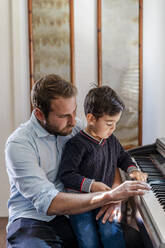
point(150, 215)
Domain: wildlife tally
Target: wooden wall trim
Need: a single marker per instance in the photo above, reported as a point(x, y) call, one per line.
point(72, 56)
point(140, 69)
point(31, 68)
point(99, 43)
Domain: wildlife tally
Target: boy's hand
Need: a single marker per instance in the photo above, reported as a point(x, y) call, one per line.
point(138, 175)
point(99, 186)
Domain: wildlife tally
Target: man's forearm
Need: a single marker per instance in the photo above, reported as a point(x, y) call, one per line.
point(68, 203)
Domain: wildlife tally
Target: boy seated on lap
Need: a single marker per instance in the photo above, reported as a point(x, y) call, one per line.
point(89, 164)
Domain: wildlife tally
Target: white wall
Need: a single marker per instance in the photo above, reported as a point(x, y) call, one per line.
point(14, 93)
point(14, 82)
point(85, 16)
point(6, 98)
point(153, 70)
point(20, 61)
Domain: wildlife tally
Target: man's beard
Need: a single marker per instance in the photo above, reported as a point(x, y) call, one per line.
point(55, 131)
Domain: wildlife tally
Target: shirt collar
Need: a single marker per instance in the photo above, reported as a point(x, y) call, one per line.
point(39, 130)
point(101, 142)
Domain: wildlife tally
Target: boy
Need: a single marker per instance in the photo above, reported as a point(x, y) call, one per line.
point(89, 163)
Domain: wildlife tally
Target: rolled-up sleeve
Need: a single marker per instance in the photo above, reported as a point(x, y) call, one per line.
point(27, 176)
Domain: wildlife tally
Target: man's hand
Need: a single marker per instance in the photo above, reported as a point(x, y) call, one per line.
point(99, 186)
point(138, 175)
point(126, 190)
point(111, 212)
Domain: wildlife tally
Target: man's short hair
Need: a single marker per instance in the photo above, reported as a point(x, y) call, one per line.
point(50, 87)
point(103, 100)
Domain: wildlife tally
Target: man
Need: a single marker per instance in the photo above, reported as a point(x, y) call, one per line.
point(37, 204)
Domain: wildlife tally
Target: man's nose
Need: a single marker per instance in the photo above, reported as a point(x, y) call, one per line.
point(72, 120)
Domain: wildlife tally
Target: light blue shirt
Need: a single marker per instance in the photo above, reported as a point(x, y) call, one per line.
point(32, 160)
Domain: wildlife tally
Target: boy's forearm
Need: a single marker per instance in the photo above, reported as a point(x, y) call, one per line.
point(117, 179)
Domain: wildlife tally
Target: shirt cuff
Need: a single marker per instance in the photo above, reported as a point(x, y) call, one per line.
point(44, 200)
point(86, 185)
point(132, 168)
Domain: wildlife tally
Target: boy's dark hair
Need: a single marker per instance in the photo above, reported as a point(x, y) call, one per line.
point(48, 88)
point(103, 100)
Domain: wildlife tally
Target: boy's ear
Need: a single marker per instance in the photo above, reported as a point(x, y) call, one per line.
point(90, 119)
point(39, 115)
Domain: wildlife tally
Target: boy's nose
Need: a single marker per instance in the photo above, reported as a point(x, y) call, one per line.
point(113, 127)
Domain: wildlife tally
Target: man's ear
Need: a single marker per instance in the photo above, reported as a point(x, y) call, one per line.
point(90, 119)
point(39, 115)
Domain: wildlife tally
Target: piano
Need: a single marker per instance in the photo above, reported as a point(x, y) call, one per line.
point(150, 214)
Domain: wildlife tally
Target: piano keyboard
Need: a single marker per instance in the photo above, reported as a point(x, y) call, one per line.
point(155, 178)
point(152, 205)
point(154, 201)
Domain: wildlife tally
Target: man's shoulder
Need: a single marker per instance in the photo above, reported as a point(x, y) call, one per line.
point(21, 134)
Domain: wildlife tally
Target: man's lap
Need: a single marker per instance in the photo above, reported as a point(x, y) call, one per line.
point(21, 234)
point(30, 233)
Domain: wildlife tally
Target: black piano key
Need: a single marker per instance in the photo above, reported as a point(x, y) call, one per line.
point(150, 172)
point(158, 187)
point(157, 182)
point(153, 174)
point(159, 158)
point(161, 199)
point(155, 177)
point(160, 195)
point(162, 202)
point(146, 162)
point(159, 190)
point(145, 165)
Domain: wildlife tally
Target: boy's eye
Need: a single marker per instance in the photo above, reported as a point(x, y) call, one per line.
point(109, 124)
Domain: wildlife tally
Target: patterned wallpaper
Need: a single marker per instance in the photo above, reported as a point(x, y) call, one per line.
point(51, 37)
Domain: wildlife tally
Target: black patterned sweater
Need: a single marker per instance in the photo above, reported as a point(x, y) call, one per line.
point(86, 159)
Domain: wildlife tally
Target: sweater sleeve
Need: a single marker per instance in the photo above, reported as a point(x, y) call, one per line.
point(125, 161)
point(69, 170)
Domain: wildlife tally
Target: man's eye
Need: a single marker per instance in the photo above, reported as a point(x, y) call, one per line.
point(63, 116)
